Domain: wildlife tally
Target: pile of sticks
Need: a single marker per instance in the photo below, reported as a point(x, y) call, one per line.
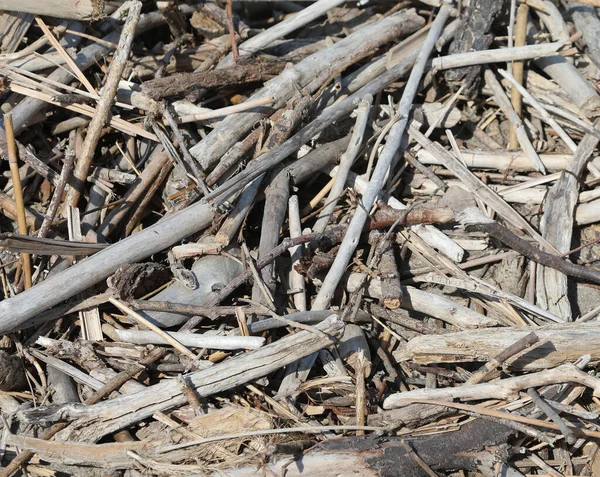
point(290, 238)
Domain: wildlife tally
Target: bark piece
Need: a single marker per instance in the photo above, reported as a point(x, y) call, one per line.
point(472, 35)
point(77, 9)
point(94, 422)
point(136, 280)
point(12, 373)
point(232, 76)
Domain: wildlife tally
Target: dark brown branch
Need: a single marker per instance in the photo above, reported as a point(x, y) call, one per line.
point(524, 248)
point(482, 373)
point(184, 83)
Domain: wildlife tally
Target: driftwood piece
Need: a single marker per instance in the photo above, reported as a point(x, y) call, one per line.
point(476, 220)
point(501, 161)
point(476, 186)
point(557, 228)
point(13, 27)
point(461, 60)
point(126, 410)
point(77, 9)
point(472, 35)
point(227, 133)
point(12, 372)
point(587, 22)
point(418, 300)
point(350, 241)
point(501, 389)
point(268, 36)
point(570, 79)
point(23, 308)
point(232, 76)
point(558, 344)
point(477, 446)
point(390, 278)
point(193, 340)
point(101, 116)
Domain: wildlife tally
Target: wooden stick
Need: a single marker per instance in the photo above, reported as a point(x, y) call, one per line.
point(515, 121)
point(484, 57)
point(564, 73)
point(385, 160)
point(56, 44)
point(76, 9)
point(296, 280)
point(594, 3)
point(231, 28)
point(518, 66)
point(502, 415)
point(18, 193)
point(127, 410)
point(552, 414)
point(192, 340)
point(476, 186)
point(281, 29)
point(111, 385)
point(557, 228)
point(57, 196)
point(501, 389)
point(517, 86)
point(228, 132)
point(588, 23)
point(476, 220)
point(218, 113)
point(105, 103)
point(165, 336)
point(346, 161)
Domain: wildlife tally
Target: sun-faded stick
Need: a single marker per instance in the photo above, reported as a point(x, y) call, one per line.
point(518, 67)
point(385, 161)
point(362, 119)
point(226, 111)
point(266, 37)
point(515, 121)
point(484, 57)
point(158, 160)
point(390, 277)
point(143, 321)
point(296, 280)
point(18, 193)
point(231, 28)
point(476, 186)
point(105, 103)
point(552, 414)
point(56, 44)
point(482, 373)
point(111, 385)
point(501, 389)
point(124, 411)
point(543, 112)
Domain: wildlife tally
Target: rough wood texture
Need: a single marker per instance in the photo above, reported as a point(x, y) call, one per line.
point(474, 447)
point(76, 9)
point(472, 35)
point(226, 134)
point(557, 228)
point(558, 344)
point(127, 410)
point(232, 76)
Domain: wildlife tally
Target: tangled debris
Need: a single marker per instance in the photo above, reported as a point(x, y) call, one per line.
point(299, 238)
